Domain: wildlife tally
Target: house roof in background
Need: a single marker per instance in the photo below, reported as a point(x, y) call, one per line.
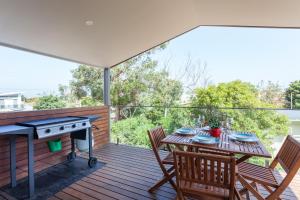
point(104, 33)
point(10, 94)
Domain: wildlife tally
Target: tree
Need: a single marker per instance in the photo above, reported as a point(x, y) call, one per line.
point(162, 92)
point(89, 101)
point(132, 131)
point(134, 82)
point(271, 93)
point(193, 74)
point(49, 102)
point(129, 81)
point(237, 94)
point(126, 78)
point(292, 93)
point(87, 81)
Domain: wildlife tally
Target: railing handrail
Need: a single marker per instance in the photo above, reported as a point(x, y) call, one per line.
point(200, 107)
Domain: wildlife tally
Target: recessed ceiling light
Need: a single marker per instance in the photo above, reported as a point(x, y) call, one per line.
point(89, 22)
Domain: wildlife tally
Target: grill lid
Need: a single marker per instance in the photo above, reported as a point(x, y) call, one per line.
point(57, 126)
point(52, 121)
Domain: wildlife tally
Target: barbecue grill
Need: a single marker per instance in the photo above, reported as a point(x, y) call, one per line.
point(78, 127)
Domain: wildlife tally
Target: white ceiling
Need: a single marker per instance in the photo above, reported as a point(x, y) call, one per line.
point(125, 28)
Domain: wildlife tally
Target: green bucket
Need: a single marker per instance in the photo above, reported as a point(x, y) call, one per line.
point(54, 145)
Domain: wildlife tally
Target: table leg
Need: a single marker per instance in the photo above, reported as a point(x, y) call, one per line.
point(12, 141)
point(243, 158)
point(30, 164)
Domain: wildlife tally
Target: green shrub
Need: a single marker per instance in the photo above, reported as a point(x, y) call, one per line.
point(132, 131)
point(49, 102)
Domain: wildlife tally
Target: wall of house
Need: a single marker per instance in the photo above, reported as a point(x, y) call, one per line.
point(44, 158)
point(11, 102)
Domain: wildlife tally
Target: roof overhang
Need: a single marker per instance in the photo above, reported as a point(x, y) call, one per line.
point(124, 28)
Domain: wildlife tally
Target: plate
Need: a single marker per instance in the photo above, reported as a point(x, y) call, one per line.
point(204, 140)
point(185, 131)
point(206, 128)
point(244, 137)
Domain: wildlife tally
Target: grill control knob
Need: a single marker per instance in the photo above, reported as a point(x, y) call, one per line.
point(61, 128)
point(47, 130)
point(74, 125)
point(83, 124)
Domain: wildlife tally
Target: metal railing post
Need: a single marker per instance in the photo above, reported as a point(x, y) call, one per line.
point(291, 101)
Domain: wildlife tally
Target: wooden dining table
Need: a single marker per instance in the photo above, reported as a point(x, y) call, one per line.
point(225, 145)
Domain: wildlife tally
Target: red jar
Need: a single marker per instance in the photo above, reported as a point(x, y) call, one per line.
point(215, 132)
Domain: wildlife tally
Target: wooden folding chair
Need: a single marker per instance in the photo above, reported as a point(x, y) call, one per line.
point(289, 159)
point(205, 175)
point(155, 136)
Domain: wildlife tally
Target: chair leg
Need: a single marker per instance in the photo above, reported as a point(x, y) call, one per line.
point(166, 178)
point(173, 184)
point(158, 184)
point(161, 182)
point(170, 169)
point(179, 195)
point(247, 195)
point(237, 194)
point(245, 190)
point(269, 190)
point(249, 187)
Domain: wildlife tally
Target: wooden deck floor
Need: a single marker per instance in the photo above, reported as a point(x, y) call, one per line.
point(128, 174)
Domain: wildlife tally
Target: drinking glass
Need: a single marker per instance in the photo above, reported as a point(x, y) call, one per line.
point(202, 120)
point(197, 123)
point(229, 123)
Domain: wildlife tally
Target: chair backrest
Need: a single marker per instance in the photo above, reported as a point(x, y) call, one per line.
point(207, 169)
point(288, 155)
point(289, 158)
point(156, 135)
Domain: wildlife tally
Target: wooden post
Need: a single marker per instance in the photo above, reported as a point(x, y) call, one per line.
point(106, 91)
point(106, 96)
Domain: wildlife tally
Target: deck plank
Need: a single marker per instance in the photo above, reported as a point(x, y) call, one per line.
point(64, 196)
point(128, 174)
point(4, 196)
point(159, 193)
point(54, 198)
point(120, 188)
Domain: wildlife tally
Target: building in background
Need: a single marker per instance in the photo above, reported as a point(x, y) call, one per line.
point(11, 101)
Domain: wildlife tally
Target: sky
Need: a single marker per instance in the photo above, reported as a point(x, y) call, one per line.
point(32, 74)
point(248, 54)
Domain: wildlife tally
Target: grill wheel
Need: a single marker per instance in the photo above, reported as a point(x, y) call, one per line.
point(92, 162)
